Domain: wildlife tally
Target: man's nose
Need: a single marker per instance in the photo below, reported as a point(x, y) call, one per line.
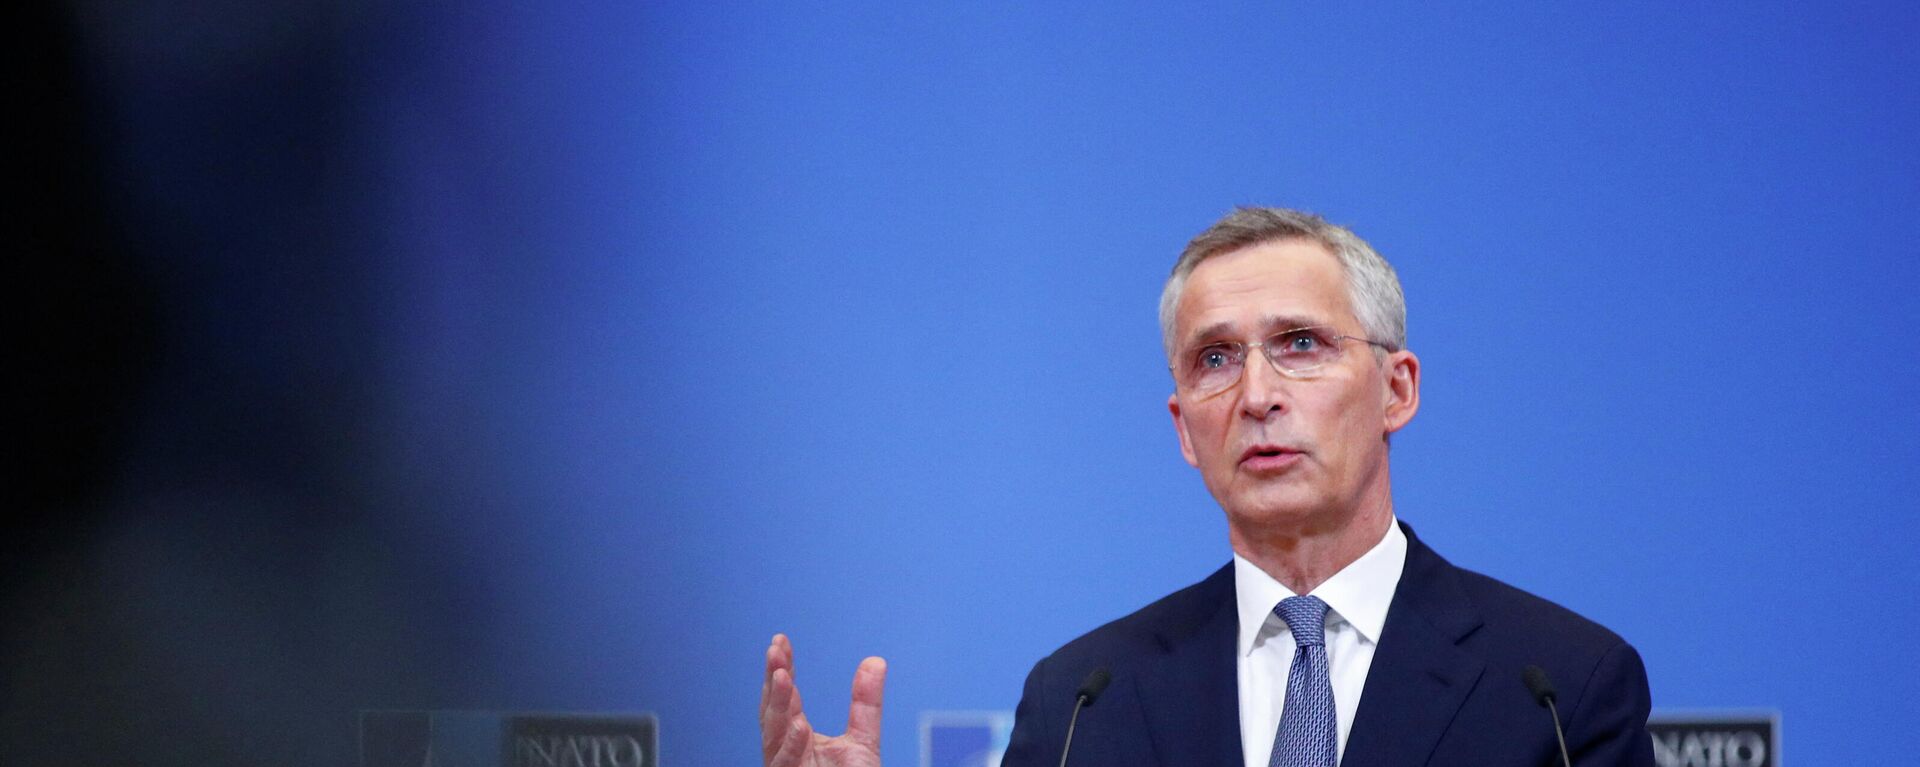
point(1262, 387)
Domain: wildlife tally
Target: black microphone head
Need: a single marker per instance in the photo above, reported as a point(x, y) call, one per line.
point(1095, 684)
point(1538, 684)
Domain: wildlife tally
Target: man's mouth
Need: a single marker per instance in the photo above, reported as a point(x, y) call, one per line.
point(1268, 457)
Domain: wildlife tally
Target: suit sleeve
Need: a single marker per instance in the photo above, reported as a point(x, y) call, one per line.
point(1033, 743)
point(1608, 725)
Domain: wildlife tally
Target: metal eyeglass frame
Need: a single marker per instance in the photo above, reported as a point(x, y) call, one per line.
point(1245, 349)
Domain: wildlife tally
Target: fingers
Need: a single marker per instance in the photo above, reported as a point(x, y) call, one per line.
point(779, 655)
point(863, 716)
point(785, 647)
point(783, 715)
point(793, 746)
point(786, 737)
point(780, 710)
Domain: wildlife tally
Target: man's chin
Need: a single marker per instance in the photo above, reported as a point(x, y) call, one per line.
point(1271, 508)
point(1255, 499)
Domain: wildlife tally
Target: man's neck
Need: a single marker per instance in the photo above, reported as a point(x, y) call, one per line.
point(1303, 558)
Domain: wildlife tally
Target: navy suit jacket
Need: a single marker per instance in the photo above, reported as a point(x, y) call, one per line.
point(1444, 688)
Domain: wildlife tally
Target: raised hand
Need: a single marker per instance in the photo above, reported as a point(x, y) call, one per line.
point(788, 740)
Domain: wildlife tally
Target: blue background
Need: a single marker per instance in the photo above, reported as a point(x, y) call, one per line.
point(552, 357)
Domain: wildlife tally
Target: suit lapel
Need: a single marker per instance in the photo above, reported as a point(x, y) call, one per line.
point(1420, 676)
point(1190, 693)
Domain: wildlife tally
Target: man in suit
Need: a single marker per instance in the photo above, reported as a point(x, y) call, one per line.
point(1335, 636)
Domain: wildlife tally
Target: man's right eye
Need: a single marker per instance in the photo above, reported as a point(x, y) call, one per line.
point(1214, 358)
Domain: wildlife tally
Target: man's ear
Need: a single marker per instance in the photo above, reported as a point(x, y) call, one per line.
point(1180, 427)
point(1403, 389)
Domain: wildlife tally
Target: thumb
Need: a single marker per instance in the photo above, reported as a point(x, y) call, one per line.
point(863, 716)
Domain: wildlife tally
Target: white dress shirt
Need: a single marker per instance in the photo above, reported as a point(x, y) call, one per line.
point(1357, 598)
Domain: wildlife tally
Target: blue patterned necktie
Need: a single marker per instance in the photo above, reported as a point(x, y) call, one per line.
point(1307, 736)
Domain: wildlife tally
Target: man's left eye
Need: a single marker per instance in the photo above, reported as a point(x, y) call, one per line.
point(1302, 342)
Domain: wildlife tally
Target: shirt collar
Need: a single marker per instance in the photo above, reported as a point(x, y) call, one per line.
point(1359, 594)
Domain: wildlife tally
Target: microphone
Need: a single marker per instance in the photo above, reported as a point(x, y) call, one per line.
point(1089, 691)
point(1542, 689)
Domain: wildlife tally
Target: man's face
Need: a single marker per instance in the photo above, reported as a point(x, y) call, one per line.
point(1279, 454)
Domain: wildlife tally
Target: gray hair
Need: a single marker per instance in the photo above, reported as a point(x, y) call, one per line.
point(1372, 286)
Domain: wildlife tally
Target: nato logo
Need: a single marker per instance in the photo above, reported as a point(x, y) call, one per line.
point(1716, 739)
point(495, 739)
point(964, 738)
point(568, 740)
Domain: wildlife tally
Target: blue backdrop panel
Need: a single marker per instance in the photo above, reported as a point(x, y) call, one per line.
point(683, 325)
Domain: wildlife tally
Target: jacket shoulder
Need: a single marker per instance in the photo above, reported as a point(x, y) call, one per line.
point(1515, 616)
point(1510, 610)
point(1193, 621)
point(1491, 614)
point(1153, 628)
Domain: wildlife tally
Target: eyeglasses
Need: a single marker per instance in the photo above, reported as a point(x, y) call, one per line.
point(1300, 353)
